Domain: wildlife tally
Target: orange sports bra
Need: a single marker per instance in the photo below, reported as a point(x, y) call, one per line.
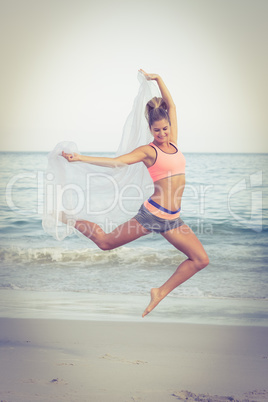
point(166, 165)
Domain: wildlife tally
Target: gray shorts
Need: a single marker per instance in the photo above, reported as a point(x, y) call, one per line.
point(155, 224)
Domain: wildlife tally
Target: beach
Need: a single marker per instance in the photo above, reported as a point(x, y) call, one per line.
point(71, 326)
point(53, 360)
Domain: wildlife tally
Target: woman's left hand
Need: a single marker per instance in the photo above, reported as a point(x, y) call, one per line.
point(149, 76)
point(71, 157)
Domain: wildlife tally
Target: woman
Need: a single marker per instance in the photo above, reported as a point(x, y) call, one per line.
point(160, 213)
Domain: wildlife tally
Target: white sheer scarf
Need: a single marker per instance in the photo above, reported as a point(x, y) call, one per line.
point(106, 196)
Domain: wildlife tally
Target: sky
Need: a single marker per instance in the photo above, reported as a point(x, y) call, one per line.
point(69, 71)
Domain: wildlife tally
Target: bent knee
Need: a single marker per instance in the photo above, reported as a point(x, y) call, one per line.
point(105, 245)
point(201, 262)
point(102, 241)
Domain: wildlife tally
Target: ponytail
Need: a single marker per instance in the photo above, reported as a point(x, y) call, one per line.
point(156, 109)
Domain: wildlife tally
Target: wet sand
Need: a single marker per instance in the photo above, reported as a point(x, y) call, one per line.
point(54, 360)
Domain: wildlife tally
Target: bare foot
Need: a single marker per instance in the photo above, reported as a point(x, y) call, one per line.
point(67, 219)
point(155, 299)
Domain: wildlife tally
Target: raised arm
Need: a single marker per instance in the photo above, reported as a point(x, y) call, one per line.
point(169, 102)
point(138, 155)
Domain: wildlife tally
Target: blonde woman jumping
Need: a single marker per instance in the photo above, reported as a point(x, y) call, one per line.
point(161, 212)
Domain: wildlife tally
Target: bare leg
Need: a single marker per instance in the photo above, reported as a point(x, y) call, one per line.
point(186, 241)
point(123, 234)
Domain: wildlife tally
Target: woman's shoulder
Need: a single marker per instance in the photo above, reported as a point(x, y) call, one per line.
point(147, 149)
point(175, 143)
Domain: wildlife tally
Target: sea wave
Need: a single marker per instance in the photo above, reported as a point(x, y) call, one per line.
point(123, 271)
point(143, 256)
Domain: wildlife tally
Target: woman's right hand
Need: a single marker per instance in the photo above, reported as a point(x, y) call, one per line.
point(71, 157)
point(149, 76)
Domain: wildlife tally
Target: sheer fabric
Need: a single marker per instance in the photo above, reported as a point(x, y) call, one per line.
point(106, 196)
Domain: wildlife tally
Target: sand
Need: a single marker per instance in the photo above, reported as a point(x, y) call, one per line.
point(65, 360)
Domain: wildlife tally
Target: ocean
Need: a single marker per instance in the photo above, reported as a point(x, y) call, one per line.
point(225, 203)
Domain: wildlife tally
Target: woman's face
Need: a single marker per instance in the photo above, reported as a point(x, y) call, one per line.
point(160, 130)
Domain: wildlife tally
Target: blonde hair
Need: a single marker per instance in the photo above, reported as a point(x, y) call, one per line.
point(155, 110)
